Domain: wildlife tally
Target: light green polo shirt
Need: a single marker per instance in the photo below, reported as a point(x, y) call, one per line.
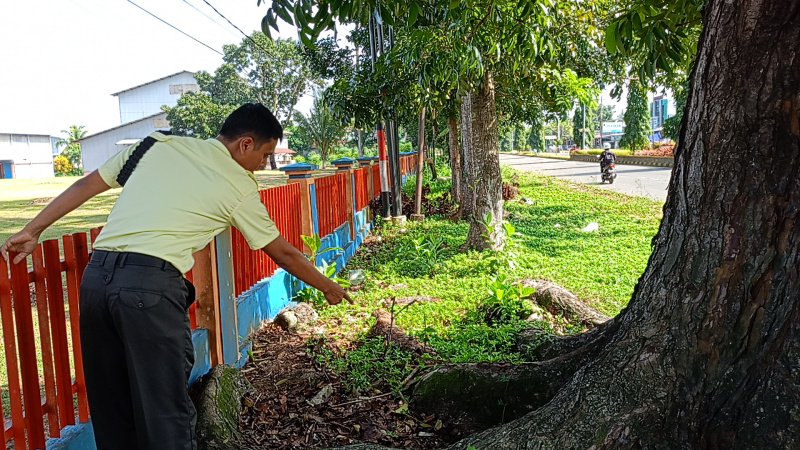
point(183, 192)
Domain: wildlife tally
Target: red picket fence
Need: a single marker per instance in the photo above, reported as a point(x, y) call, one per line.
point(331, 202)
point(360, 179)
point(46, 280)
point(376, 180)
point(252, 266)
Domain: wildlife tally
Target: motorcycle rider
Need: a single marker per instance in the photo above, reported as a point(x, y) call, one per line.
point(607, 157)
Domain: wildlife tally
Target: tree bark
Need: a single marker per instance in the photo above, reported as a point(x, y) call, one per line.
point(488, 182)
point(467, 205)
point(707, 353)
point(557, 300)
point(455, 159)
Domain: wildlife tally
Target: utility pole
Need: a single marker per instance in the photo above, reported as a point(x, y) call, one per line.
point(601, 119)
point(383, 159)
point(418, 216)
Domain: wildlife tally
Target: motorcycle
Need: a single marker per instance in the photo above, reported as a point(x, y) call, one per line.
point(609, 174)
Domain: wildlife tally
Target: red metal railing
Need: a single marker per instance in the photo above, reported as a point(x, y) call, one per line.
point(360, 178)
point(252, 266)
point(331, 202)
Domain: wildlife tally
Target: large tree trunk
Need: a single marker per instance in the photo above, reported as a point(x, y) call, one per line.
point(455, 159)
point(488, 182)
point(707, 354)
point(467, 205)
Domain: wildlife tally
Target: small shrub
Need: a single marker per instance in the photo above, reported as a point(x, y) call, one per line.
point(419, 256)
point(663, 150)
point(507, 303)
point(374, 364)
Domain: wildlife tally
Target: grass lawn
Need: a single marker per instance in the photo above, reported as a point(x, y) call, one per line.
point(601, 267)
point(544, 155)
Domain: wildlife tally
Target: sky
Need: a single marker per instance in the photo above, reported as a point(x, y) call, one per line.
point(62, 60)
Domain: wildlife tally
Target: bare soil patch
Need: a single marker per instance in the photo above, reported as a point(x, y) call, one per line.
point(300, 404)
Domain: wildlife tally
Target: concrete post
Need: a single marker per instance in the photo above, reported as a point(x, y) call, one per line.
point(346, 165)
point(205, 279)
point(302, 174)
point(227, 298)
point(366, 161)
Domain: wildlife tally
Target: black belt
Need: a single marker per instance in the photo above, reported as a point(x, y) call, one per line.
point(133, 259)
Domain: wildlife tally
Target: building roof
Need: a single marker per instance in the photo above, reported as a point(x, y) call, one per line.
point(284, 150)
point(152, 81)
point(27, 134)
point(123, 125)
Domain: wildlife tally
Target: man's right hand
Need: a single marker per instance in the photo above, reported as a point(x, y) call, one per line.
point(24, 243)
point(335, 295)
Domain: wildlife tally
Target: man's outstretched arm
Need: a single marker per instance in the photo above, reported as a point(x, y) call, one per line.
point(24, 242)
point(296, 263)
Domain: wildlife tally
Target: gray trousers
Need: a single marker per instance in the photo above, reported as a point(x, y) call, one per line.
point(137, 352)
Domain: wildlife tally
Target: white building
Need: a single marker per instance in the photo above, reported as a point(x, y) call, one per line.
point(97, 148)
point(26, 156)
point(146, 99)
point(140, 114)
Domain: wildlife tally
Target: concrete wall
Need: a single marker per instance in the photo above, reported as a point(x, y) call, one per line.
point(97, 148)
point(30, 154)
point(146, 100)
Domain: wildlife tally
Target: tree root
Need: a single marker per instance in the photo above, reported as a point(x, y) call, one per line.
point(386, 328)
point(472, 397)
point(558, 300)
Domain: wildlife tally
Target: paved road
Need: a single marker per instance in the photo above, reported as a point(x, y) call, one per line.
point(634, 180)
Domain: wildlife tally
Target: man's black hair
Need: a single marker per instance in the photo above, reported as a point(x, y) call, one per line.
point(252, 119)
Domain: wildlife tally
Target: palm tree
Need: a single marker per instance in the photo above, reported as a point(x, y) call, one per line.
point(319, 129)
point(72, 148)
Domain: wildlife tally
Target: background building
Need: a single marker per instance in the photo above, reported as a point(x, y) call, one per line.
point(140, 114)
point(659, 111)
point(26, 155)
point(146, 99)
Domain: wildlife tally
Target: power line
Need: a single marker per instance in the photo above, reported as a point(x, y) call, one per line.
point(240, 31)
point(176, 28)
point(209, 17)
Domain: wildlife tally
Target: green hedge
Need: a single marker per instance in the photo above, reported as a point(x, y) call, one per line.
point(597, 151)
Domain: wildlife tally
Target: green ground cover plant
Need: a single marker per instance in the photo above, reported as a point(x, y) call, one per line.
point(468, 305)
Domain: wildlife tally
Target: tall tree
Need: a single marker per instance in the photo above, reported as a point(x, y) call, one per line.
point(536, 136)
point(273, 72)
point(513, 47)
point(319, 129)
point(518, 142)
point(637, 118)
point(71, 147)
point(583, 125)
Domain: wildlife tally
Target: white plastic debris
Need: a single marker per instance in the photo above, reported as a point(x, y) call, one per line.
point(593, 226)
point(558, 225)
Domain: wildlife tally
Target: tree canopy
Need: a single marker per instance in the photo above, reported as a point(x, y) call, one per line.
point(319, 129)
point(273, 72)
